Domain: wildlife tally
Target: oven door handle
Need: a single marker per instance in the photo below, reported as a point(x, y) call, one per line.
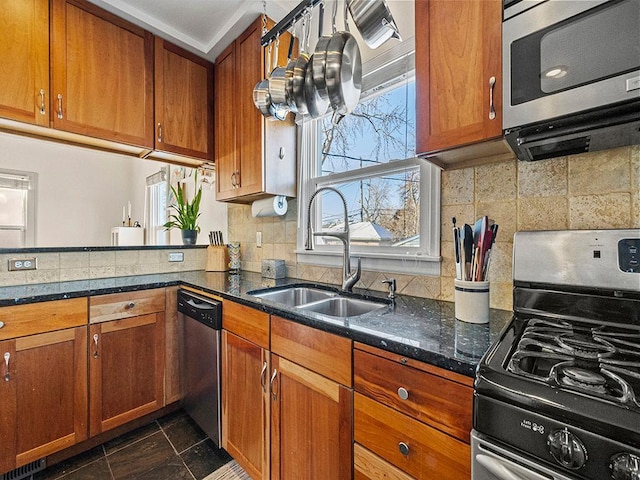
point(503, 470)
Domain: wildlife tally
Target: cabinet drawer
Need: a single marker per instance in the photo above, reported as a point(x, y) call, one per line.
point(438, 401)
point(368, 466)
point(429, 453)
point(322, 352)
point(115, 306)
point(246, 322)
point(22, 320)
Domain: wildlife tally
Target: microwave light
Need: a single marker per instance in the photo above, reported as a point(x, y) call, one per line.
point(555, 72)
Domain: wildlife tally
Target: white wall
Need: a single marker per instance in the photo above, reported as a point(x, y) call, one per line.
point(81, 191)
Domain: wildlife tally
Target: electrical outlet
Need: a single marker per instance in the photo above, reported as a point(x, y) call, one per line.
point(16, 264)
point(176, 257)
point(259, 239)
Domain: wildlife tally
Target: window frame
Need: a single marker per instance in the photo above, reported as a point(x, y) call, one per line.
point(424, 260)
point(29, 230)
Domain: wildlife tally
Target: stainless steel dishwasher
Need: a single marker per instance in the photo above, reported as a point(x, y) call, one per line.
point(200, 369)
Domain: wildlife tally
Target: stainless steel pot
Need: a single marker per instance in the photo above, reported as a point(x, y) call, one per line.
point(295, 85)
point(374, 21)
point(261, 97)
point(316, 104)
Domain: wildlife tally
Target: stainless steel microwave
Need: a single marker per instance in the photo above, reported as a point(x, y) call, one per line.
point(571, 76)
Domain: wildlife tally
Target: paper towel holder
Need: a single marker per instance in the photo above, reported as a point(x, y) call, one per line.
point(270, 207)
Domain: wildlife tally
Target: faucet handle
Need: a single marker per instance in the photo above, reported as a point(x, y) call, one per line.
point(392, 287)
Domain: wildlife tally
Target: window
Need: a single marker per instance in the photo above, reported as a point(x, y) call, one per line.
point(156, 211)
point(17, 209)
point(393, 198)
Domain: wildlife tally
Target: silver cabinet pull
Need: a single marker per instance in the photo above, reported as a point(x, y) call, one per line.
point(263, 377)
point(42, 107)
point(271, 383)
point(60, 116)
point(7, 376)
point(159, 132)
point(233, 180)
point(129, 306)
point(403, 393)
point(492, 110)
point(95, 345)
point(404, 448)
point(1, 324)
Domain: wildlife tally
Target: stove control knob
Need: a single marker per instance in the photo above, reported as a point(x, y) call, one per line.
point(567, 449)
point(625, 466)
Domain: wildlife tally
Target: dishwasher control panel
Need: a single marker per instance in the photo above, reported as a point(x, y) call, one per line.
point(203, 309)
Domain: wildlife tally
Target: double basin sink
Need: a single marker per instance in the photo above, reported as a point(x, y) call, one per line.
point(327, 303)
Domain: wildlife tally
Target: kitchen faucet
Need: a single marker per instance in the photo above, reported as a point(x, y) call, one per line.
point(349, 278)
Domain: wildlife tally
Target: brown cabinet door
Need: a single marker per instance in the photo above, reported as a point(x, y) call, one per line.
point(126, 369)
point(458, 51)
point(311, 424)
point(250, 134)
point(183, 102)
point(44, 395)
point(102, 74)
point(8, 425)
point(225, 122)
point(245, 404)
point(24, 50)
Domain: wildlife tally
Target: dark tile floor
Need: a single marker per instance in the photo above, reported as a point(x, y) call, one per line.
point(170, 448)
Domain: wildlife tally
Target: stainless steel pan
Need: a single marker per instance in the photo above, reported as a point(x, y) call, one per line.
point(261, 97)
point(374, 21)
point(343, 71)
point(320, 56)
point(295, 85)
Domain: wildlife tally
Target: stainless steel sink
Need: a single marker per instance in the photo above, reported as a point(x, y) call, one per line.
point(342, 307)
point(323, 302)
point(295, 296)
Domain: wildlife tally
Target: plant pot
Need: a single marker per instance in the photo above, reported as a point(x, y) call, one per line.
point(189, 237)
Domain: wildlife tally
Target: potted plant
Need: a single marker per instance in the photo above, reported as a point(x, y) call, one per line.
point(186, 213)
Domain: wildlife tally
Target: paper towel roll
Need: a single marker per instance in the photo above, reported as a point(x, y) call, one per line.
point(269, 207)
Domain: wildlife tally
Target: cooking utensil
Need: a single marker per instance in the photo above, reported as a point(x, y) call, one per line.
point(288, 74)
point(277, 81)
point(320, 56)
point(316, 103)
point(374, 21)
point(295, 87)
point(343, 71)
point(261, 96)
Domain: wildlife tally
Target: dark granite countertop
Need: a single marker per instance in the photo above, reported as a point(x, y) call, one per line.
point(414, 327)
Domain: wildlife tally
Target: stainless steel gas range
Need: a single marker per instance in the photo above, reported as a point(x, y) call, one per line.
point(558, 396)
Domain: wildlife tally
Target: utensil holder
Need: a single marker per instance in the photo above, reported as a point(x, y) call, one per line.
point(217, 258)
point(234, 257)
point(471, 301)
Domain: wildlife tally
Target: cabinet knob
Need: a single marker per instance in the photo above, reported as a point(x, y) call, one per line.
point(1, 324)
point(403, 393)
point(129, 305)
point(404, 448)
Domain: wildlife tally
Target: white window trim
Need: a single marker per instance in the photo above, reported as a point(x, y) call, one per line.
point(423, 260)
point(29, 232)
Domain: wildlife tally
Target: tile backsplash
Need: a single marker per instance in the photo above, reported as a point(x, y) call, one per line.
point(596, 190)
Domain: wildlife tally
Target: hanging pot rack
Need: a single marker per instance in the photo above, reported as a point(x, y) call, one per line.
point(289, 20)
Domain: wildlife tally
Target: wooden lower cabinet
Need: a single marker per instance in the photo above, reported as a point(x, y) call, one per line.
point(126, 370)
point(43, 394)
point(311, 426)
point(245, 404)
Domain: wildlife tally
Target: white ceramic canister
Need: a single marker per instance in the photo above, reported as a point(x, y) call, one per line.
point(471, 301)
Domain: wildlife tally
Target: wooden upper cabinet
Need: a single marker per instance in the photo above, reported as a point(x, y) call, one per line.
point(183, 102)
point(24, 70)
point(101, 74)
point(254, 157)
point(458, 51)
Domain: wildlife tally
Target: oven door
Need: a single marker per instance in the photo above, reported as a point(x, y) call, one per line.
point(492, 462)
point(561, 57)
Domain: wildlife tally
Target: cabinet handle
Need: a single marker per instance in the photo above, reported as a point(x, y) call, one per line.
point(263, 377)
point(271, 383)
point(1, 324)
point(159, 132)
point(129, 306)
point(404, 448)
point(403, 393)
point(95, 345)
point(492, 110)
point(7, 376)
point(238, 178)
point(60, 116)
point(42, 108)
point(233, 180)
